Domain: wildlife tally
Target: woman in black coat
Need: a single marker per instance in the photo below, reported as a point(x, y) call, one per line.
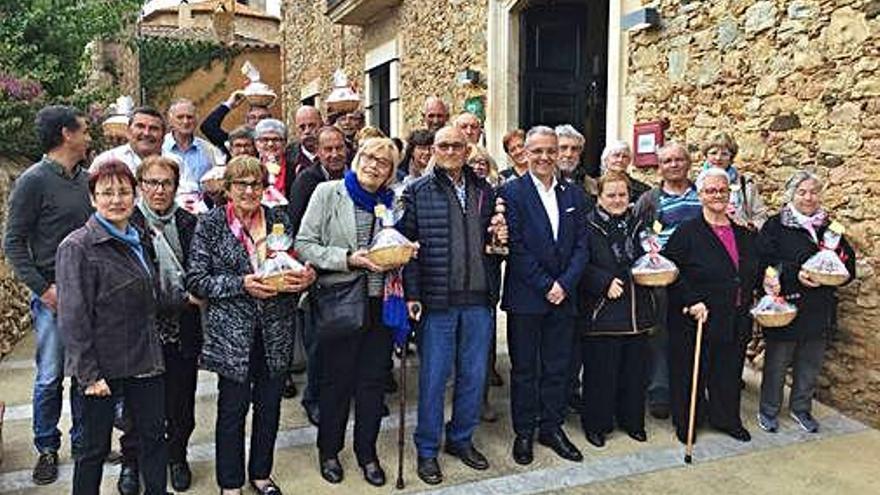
point(248, 333)
point(786, 241)
point(616, 315)
point(719, 266)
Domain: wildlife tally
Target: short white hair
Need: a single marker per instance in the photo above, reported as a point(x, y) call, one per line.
point(540, 130)
point(711, 172)
point(568, 131)
point(613, 147)
point(266, 126)
point(796, 180)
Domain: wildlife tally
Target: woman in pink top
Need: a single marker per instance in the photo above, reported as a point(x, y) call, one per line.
point(719, 266)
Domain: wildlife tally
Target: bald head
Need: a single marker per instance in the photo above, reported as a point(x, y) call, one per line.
point(470, 126)
point(435, 114)
point(450, 148)
point(307, 121)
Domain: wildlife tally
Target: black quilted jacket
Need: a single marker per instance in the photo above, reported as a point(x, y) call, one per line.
point(426, 220)
point(217, 266)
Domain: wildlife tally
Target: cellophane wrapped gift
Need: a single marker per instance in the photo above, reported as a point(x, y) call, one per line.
point(190, 198)
point(772, 310)
point(389, 248)
point(278, 261)
point(826, 267)
point(652, 269)
point(272, 197)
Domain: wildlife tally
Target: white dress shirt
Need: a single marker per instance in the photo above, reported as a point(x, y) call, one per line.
point(551, 206)
point(123, 153)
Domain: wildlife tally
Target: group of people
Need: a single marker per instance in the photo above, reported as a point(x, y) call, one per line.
point(146, 263)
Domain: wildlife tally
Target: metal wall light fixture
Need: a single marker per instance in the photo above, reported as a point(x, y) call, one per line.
point(638, 20)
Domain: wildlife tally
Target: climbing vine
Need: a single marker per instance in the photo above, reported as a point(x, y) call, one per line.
point(164, 62)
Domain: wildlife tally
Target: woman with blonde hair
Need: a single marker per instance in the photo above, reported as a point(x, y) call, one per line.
point(746, 207)
point(482, 163)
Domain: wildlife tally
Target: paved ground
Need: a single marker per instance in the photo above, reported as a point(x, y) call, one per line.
point(842, 459)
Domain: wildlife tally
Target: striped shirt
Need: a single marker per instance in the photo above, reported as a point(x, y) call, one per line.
point(674, 209)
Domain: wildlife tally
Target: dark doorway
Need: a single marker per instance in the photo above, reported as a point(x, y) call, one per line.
point(564, 65)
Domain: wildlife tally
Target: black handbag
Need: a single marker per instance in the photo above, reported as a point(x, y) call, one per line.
point(340, 309)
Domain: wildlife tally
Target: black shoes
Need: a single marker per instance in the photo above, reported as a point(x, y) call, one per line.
point(268, 489)
point(373, 473)
point(659, 411)
point(638, 435)
point(46, 470)
point(289, 391)
point(740, 434)
point(429, 470)
point(522, 450)
point(181, 476)
point(129, 482)
point(596, 439)
point(313, 414)
point(559, 443)
point(470, 456)
point(331, 470)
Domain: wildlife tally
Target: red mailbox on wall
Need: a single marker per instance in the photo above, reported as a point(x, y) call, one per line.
point(647, 137)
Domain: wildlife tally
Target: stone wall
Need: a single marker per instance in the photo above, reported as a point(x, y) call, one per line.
point(798, 84)
point(436, 40)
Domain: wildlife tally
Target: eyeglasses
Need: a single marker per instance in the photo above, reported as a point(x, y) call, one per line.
point(244, 185)
point(480, 162)
point(720, 152)
point(121, 193)
point(154, 184)
point(269, 140)
point(447, 147)
point(370, 158)
point(716, 191)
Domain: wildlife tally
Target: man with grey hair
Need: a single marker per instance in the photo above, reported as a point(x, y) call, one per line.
point(571, 145)
point(194, 154)
point(548, 252)
point(664, 208)
point(469, 125)
point(435, 114)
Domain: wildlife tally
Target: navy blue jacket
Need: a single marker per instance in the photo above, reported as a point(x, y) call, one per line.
point(536, 260)
point(426, 220)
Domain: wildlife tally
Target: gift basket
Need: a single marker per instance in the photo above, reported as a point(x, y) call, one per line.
point(257, 92)
point(826, 267)
point(653, 269)
point(772, 310)
point(389, 247)
point(189, 197)
point(278, 262)
point(272, 197)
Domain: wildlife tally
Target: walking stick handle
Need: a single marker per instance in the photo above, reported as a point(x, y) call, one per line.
point(695, 377)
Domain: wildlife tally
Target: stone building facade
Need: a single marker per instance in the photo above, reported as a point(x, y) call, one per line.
point(797, 82)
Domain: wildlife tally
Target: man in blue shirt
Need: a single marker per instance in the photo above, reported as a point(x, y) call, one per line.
point(195, 155)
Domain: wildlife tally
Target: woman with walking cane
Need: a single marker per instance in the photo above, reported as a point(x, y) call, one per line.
point(719, 267)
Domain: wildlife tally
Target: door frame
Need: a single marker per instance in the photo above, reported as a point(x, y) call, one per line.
point(503, 63)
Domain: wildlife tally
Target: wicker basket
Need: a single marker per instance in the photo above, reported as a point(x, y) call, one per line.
point(655, 278)
point(774, 319)
point(260, 99)
point(276, 280)
point(114, 128)
point(824, 278)
point(391, 256)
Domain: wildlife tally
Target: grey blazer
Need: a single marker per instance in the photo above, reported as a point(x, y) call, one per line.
point(327, 234)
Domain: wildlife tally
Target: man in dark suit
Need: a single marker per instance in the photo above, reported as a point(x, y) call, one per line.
point(548, 252)
point(331, 163)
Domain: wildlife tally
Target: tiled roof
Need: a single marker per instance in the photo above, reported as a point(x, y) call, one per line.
point(209, 6)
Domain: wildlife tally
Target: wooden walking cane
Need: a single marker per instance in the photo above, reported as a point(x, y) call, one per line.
point(689, 448)
point(401, 433)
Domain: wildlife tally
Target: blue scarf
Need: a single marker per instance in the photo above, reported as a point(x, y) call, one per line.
point(364, 199)
point(394, 314)
point(130, 238)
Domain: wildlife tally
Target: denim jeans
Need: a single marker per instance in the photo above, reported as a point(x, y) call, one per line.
point(49, 383)
point(458, 335)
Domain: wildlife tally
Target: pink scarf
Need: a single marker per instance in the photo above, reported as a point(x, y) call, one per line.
point(251, 236)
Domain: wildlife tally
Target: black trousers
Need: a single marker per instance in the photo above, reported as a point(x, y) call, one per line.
point(145, 400)
point(614, 382)
point(721, 366)
point(263, 391)
point(353, 367)
point(540, 354)
point(180, 394)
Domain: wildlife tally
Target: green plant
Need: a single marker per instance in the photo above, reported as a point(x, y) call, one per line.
point(164, 62)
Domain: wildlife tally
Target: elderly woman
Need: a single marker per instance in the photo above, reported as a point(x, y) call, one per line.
point(746, 206)
point(248, 334)
point(336, 231)
point(416, 157)
point(107, 320)
point(786, 241)
point(618, 314)
point(514, 143)
point(719, 267)
point(167, 237)
point(617, 157)
point(483, 165)
point(270, 139)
